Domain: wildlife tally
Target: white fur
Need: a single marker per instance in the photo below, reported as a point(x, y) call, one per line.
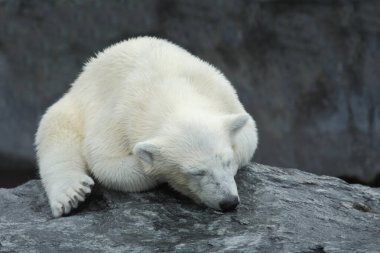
point(152, 93)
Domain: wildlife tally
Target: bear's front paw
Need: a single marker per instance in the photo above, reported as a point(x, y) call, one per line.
point(67, 194)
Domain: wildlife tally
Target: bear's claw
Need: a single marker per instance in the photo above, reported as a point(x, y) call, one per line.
point(68, 197)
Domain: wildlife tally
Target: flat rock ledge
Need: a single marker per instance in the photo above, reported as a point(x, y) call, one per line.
point(282, 210)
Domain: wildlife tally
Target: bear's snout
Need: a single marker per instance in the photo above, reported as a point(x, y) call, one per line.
point(229, 204)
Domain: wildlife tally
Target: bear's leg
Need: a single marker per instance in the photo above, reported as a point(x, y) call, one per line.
point(123, 174)
point(62, 167)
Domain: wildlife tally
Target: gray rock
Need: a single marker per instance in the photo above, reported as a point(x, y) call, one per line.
point(282, 210)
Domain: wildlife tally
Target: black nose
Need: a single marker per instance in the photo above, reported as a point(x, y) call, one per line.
point(229, 203)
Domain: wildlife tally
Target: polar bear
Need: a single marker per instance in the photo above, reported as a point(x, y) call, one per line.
point(143, 112)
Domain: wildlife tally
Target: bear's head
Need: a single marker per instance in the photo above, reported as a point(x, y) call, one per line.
point(197, 158)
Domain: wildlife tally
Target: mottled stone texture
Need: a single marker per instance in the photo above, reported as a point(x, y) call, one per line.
point(281, 211)
point(308, 71)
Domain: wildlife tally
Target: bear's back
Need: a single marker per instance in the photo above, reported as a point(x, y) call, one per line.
point(146, 70)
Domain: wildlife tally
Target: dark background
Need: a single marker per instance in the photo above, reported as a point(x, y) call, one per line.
point(308, 71)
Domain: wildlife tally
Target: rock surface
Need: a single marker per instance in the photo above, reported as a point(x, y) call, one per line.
point(308, 71)
point(282, 210)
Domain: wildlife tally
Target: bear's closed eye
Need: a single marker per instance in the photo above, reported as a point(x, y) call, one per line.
point(199, 173)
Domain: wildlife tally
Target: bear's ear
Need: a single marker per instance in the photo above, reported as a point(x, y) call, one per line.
point(236, 122)
point(146, 151)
